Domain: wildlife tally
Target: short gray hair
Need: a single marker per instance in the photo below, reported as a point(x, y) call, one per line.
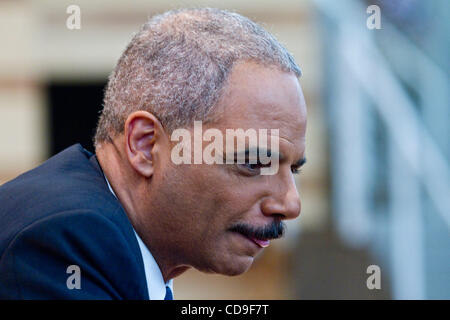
point(176, 66)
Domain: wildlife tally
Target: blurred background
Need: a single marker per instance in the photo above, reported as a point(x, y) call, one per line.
point(376, 188)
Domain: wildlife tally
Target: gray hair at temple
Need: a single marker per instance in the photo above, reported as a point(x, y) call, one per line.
point(177, 65)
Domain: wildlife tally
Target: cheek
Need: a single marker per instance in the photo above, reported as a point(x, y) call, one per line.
point(192, 199)
point(205, 200)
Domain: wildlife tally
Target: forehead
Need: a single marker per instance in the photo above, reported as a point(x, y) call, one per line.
point(262, 97)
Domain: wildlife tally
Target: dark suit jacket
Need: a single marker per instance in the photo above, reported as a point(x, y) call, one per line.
point(60, 214)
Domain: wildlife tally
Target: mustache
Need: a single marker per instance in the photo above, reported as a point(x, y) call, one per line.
point(274, 230)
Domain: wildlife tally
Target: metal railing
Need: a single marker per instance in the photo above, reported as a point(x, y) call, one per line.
point(364, 82)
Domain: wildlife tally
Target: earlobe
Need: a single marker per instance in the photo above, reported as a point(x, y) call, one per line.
point(140, 140)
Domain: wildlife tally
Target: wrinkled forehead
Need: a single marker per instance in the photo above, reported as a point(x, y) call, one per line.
point(261, 97)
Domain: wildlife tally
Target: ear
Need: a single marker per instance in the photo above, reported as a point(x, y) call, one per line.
point(142, 132)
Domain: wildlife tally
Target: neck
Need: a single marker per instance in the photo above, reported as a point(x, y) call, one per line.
point(126, 185)
point(111, 161)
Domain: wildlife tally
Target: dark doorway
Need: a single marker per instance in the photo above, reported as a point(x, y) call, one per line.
point(74, 110)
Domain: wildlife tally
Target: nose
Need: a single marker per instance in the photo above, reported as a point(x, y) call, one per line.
point(284, 201)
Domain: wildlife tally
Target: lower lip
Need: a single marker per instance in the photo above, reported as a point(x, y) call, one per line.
point(259, 243)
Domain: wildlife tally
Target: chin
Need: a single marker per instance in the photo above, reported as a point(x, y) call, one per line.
point(234, 267)
point(226, 260)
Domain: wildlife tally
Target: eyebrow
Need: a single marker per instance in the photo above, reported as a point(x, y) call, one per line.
point(298, 163)
point(270, 153)
point(258, 151)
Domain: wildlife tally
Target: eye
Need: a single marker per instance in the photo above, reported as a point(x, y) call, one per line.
point(252, 168)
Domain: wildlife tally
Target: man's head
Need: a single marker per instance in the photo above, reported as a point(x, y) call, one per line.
point(222, 69)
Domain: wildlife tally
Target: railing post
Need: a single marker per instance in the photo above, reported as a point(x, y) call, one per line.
point(406, 243)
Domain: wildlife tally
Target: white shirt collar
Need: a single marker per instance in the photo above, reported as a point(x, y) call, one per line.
point(155, 281)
